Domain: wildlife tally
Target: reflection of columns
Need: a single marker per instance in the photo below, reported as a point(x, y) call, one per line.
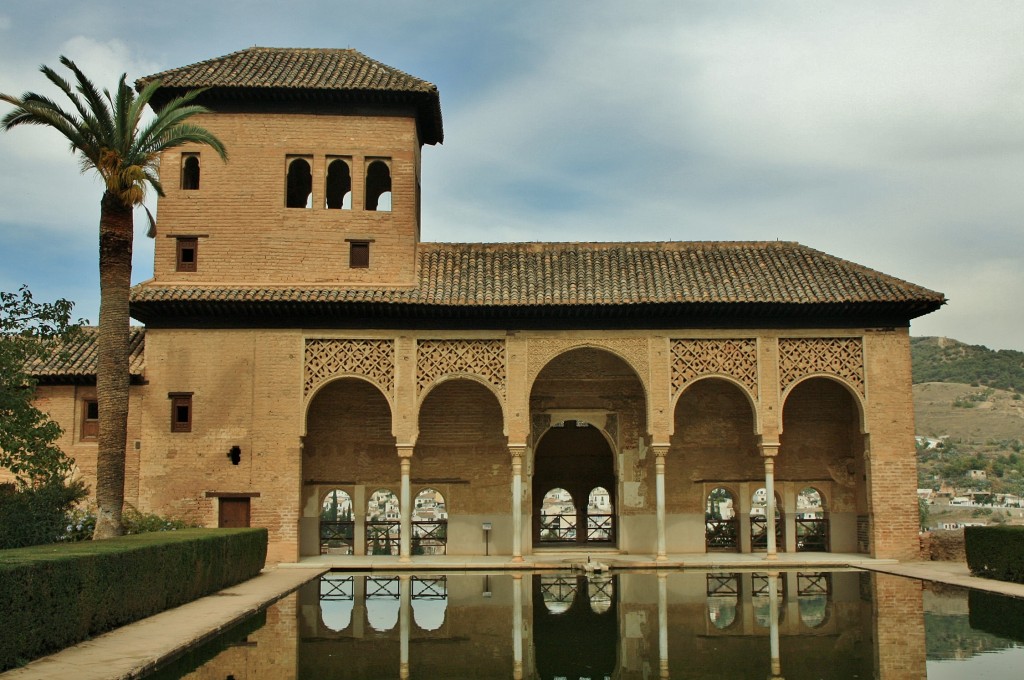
point(404, 617)
point(517, 502)
point(773, 624)
point(769, 451)
point(405, 504)
point(663, 625)
point(517, 626)
point(660, 451)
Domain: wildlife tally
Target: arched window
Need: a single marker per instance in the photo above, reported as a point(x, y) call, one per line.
point(337, 525)
point(600, 591)
point(429, 523)
point(383, 528)
point(812, 534)
point(723, 599)
point(429, 601)
point(338, 188)
point(600, 516)
point(300, 184)
point(813, 598)
point(759, 522)
point(761, 601)
point(557, 517)
point(383, 602)
point(378, 183)
point(559, 592)
point(190, 171)
point(721, 527)
point(336, 601)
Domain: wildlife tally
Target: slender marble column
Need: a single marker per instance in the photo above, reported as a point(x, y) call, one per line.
point(773, 624)
point(405, 504)
point(517, 502)
point(769, 451)
point(404, 619)
point(663, 625)
point(517, 626)
point(659, 481)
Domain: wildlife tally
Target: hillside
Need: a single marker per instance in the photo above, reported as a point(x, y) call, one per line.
point(968, 401)
point(951, 361)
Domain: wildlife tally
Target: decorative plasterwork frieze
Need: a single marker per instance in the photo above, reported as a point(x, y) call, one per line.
point(697, 358)
point(484, 359)
point(839, 357)
point(329, 358)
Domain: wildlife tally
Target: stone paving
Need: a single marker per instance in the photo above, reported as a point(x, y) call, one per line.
point(135, 649)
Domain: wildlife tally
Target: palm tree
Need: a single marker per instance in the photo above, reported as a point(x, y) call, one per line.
point(107, 134)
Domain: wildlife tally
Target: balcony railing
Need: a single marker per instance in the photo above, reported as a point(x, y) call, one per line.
point(759, 533)
point(721, 534)
point(601, 528)
point(558, 528)
point(430, 537)
point(812, 535)
point(336, 537)
point(382, 537)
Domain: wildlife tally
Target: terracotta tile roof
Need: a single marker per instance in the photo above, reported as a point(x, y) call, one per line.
point(77, 360)
point(560, 275)
point(305, 70)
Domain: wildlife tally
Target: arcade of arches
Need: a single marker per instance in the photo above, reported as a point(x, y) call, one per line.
point(504, 448)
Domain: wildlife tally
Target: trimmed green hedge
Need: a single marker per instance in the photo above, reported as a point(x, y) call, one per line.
point(1000, 615)
point(996, 552)
point(53, 596)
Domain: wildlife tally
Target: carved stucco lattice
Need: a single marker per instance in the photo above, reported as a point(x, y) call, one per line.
point(633, 350)
point(841, 357)
point(692, 359)
point(327, 358)
point(438, 358)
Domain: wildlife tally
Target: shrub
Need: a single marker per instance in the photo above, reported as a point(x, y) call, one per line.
point(996, 552)
point(996, 614)
point(82, 522)
point(36, 515)
point(56, 595)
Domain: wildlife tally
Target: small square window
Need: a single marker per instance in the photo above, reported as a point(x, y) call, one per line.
point(359, 254)
point(181, 412)
point(90, 419)
point(187, 254)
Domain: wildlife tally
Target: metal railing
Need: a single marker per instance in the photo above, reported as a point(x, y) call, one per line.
point(812, 535)
point(721, 534)
point(558, 528)
point(430, 537)
point(601, 528)
point(759, 533)
point(336, 537)
point(382, 537)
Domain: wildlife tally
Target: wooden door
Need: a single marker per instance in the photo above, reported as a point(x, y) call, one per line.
point(234, 513)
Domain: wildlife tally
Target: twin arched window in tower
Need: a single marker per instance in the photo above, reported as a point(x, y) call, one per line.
point(337, 190)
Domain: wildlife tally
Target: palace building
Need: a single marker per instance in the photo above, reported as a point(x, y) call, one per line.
point(309, 364)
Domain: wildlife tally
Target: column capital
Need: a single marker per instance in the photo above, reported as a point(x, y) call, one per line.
point(768, 449)
point(660, 450)
point(405, 450)
point(517, 450)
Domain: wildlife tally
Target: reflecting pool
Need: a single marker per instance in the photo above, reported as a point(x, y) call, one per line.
point(680, 624)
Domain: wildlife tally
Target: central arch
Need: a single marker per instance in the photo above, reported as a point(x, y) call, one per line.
point(574, 460)
point(588, 424)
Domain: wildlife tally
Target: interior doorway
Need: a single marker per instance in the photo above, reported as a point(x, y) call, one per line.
point(574, 488)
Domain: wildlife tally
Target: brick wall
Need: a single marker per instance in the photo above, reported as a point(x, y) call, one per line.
point(248, 236)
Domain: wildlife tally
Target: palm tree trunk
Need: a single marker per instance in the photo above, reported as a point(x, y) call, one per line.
point(112, 376)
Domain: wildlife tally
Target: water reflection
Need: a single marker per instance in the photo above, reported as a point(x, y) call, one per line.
point(628, 625)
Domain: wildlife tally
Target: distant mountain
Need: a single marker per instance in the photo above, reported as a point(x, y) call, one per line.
point(951, 361)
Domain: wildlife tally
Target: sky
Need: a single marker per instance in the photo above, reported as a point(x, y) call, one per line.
point(889, 134)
